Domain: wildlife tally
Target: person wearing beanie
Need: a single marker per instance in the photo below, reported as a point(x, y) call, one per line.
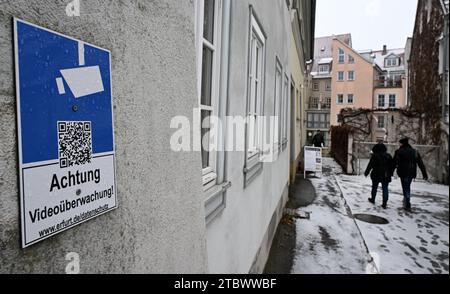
point(406, 160)
point(380, 170)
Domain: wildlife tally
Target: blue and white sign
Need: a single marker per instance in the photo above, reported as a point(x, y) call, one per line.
point(65, 131)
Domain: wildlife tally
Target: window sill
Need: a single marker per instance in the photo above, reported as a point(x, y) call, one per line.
point(215, 201)
point(251, 173)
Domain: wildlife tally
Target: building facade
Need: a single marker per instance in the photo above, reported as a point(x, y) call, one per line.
point(318, 112)
point(428, 73)
point(243, 222)
point(352, 80)
point(374, 80)
point(300, 64)
point(214, 210)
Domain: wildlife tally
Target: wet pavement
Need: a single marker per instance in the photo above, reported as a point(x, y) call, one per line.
point(282, 253)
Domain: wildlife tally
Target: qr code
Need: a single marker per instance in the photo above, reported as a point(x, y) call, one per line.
point(74, 143)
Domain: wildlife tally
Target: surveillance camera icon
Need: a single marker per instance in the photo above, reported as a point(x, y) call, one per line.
point(82, 81)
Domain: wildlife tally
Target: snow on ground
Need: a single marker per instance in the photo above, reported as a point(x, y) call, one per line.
point(416, 242)
point(330, 242)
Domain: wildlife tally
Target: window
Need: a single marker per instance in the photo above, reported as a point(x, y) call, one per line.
point(326, 103)
point(341, 56)
point(255, 99)
point(328, 86)
point(381, 101)
point(324, 68)
point(351, 59)
point(313, 103)
point(316, 86)
point(318, 121)
point(278, 97)
point(381, 122)
point(392, 100)
point(351, 75)
point(310, 121)
point(350, 99)
point(340, 75)
point(392, 61)
point(285, 113)
point(208, 72)
point(340, 98)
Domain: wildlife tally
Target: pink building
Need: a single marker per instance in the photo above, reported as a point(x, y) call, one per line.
point(369, 80)
point(352, 80)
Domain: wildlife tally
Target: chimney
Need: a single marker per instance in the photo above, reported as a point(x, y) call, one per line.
point(384, 49)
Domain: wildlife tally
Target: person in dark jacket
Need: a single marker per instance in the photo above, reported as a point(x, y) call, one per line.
point(406, 160)
point(318, 140)
point(380, 170)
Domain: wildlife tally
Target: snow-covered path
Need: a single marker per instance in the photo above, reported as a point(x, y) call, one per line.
point(416, 242)
point(332, 241)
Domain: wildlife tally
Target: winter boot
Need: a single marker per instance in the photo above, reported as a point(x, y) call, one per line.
point(407, 207)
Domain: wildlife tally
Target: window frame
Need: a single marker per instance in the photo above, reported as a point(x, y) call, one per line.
point(316, 86)
point(324, 66)
point(341, 56)
point(351, 59)
point(392, 62)
point(285, 112)
point(313, 103)
point(353, 75)
point(395, 100)
point(381, 124)
point(339, 96)
point(256, 103)
point(277, 102)
point(379, 99)
point(348, 98)
point(318, 120)
point(339, 76)
point(327, 103)
point(209, 173)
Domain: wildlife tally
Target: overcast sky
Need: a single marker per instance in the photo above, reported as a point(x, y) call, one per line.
point(372, 23)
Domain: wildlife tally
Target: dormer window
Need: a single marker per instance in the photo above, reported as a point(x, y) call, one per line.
point(392, 61)
point(324, 68)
